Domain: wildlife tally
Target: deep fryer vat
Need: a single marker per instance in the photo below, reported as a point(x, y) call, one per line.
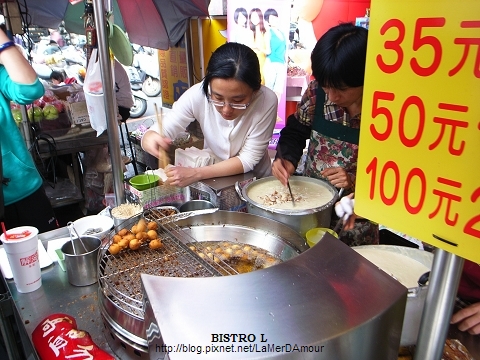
point(120, 288)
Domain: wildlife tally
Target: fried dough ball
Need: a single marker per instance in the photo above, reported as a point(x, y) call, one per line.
point(152, 234)
point(123, 243)
point(114, 249)
point(152, 225)
point(123, 232)
point(134, 229)
point(134, 244)
point(141, 225)
point(155, 244)
point(116, 238)
point(129, 237)
point(141, 236)
point(238, 253)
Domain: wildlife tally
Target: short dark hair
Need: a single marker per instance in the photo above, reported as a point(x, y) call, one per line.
point(233, 61)
point(57, 75)
point(240, 11)
point(268, 13)
point(339, 57)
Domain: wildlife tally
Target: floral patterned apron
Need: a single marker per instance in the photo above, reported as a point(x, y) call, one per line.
point(333, 144)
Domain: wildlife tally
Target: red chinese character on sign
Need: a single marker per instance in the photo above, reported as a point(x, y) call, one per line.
point(468, 42)
point(183, 72)
point(449, 198)
point(163, 74)
point(173, 56)
point(454, 124)
point(174, 70)
point(183, 57)
point(469, 226)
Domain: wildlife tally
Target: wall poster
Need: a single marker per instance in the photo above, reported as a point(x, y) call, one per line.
point(264, 27)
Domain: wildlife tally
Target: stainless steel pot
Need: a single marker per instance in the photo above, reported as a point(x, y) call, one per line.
point(416, 295)
point(299, 220)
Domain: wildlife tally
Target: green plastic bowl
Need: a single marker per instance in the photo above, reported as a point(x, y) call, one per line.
point(144, 181)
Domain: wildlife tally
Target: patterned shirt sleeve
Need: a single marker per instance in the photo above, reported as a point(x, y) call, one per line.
point(306, 108)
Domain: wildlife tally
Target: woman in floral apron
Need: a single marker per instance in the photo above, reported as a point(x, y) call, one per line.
point(338, 65)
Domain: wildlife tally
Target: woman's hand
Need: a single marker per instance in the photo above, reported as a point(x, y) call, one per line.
point(344, 210)
point(338, 177)
point(282, 170)
point(468, 319)
point(182, 176)
point(153, 141)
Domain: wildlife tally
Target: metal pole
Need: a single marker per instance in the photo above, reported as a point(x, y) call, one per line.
point(200, 47)
point(109, 98)
point(189, 52)
point(442, 289)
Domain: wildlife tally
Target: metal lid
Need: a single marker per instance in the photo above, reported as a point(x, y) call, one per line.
point(328, 295)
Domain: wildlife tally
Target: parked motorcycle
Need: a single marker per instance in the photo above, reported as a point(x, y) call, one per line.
point(140, 104)
point(145, 60)
point(140, 101)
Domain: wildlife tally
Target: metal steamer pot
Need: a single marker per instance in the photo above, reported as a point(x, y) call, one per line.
point(416, 295)
point(300, 220)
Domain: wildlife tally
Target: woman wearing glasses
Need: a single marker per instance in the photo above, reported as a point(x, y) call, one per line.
point(329, 115)
point(236, 114)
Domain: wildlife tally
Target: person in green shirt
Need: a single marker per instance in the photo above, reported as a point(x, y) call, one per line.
point(24, 199)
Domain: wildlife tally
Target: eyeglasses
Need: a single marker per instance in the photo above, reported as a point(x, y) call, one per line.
point(233, 106)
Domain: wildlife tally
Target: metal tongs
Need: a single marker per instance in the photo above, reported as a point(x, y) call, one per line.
point(71, 229)
point(279, 153)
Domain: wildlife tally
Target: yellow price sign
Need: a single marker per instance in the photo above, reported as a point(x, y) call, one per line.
point(420, 135)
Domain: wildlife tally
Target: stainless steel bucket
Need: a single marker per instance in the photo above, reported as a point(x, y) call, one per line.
point(299, 220)
point(81, 262)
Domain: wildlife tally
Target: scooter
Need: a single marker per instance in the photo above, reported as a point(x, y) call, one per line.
point(147, 66)
point(140, 101)
point(140, 104)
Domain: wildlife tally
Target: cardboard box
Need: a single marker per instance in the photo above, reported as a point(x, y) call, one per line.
point(77, 112)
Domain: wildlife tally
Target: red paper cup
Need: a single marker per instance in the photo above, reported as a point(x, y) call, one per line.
point(21, 246)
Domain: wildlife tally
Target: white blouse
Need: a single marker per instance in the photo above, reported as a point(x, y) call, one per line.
point(246, 137)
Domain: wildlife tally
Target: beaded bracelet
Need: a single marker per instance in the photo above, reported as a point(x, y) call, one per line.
point(6, 45)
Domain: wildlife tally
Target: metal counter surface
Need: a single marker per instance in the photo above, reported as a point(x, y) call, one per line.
point(56, 295)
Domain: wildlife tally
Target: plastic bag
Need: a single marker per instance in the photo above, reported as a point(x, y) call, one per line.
point(93, 90)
